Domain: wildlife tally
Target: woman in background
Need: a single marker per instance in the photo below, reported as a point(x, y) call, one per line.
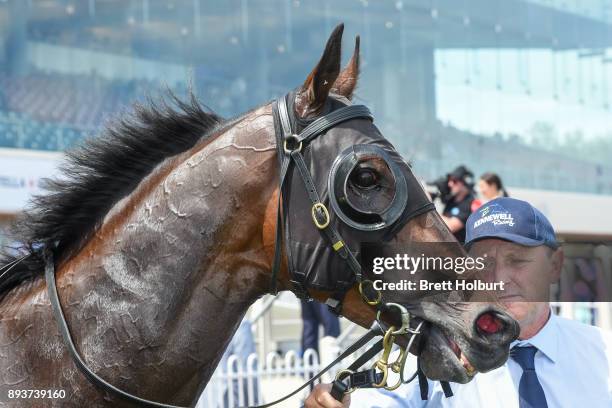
point(491, 186)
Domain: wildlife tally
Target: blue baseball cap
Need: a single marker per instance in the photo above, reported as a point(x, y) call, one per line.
point(511, 220)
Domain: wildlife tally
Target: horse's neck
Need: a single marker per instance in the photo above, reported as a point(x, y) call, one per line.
point(176, 264)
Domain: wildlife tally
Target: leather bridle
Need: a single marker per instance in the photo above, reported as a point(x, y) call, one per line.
point(290, 146)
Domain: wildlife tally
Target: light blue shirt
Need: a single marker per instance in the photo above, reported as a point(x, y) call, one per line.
point(573, 364)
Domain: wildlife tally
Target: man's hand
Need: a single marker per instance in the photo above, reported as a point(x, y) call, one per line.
point(320, 397)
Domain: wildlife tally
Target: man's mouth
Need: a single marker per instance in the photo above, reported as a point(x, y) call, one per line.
point(469, 368)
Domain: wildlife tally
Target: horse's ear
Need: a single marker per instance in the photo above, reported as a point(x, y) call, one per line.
point(318, 84)
point(347, 80)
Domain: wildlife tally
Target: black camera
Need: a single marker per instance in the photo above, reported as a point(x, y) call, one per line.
point(439, 189)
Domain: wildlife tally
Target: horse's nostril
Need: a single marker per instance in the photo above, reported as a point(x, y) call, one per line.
point(489, 323)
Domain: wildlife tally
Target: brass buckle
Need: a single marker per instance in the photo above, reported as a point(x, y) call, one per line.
point(365, 298)
point(405, 318)
point(398, 367)
point(342, 374)
point(382, 363)
point(295, 139)
point(320, 206)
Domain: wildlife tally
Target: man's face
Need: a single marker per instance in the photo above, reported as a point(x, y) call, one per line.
point(455, 185)
point(527, 273)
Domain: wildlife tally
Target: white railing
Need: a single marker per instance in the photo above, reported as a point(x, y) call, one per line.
point(253, 382)
point(250, 383)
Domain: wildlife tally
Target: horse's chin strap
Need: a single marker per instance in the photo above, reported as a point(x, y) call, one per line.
point(424, 383)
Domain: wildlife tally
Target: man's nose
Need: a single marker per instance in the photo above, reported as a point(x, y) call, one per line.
point(494, 271)
point(501, 273)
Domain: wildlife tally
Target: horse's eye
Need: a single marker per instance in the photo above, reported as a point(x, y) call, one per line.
point(365, 178)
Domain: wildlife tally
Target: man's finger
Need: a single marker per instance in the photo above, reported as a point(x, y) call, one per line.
point(320, 397)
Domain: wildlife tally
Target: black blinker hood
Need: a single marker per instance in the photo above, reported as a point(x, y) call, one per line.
point(313, 262)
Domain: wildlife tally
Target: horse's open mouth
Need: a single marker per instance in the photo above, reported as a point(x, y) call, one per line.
point(469, 368)
point(443, 358)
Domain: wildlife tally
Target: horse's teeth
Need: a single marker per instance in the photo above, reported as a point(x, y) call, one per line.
point(469, 368)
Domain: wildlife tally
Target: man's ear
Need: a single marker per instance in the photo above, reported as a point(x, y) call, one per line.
point(347, 80)
point(316, 88)
point(557, 259)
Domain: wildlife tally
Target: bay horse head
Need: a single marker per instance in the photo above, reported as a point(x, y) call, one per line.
point(350, 179)
point(166, 229)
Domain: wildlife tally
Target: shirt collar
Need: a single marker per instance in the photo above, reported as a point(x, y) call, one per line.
point(546, 340)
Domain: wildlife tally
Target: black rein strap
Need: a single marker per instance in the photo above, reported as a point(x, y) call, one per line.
point(98, 381)
point(373, 332)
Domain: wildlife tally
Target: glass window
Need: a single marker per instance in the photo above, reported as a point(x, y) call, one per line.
point(523, 92)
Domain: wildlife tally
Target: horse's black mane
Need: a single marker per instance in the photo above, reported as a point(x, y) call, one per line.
point(96, 176)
